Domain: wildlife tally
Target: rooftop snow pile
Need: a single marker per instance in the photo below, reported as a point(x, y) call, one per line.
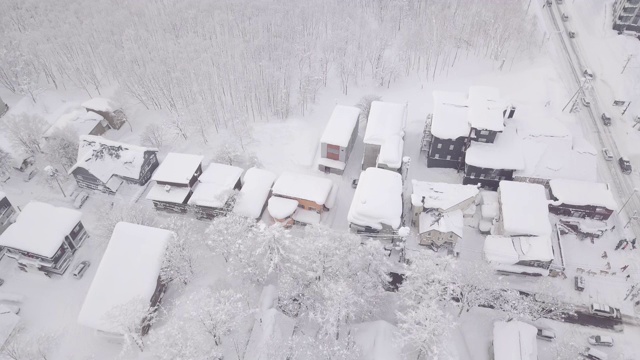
point(385, 127)
point(101, 104)
point(505, 153)
point(340, 126)
point(451, 221)
point(485, 108)
point(168, 193)
point(40, 229)
point(128, 272)
point(255, 190)
point(524, 209)
point(216, 185)
point(78, 119)
point(514, 340)
point(511, 250)
point(581, 193)
point(305, 187)
point(177, 168)
point(377, 200)
point(282, 208)
point(391, 152)
point(441, 196)
point(378, 340)
point(449, 119)
point(104, 158)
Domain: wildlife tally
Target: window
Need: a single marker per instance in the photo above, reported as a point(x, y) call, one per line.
point(450, 236)
point(439, 146)
point(448, 157)
point(460, 158)
point(450, 147)
point(482, 139)
point(473, 174)
point(436, 156)
point(481, 176)
point(484, 132)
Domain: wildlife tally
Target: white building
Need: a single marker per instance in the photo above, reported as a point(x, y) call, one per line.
point(384, 137)
point(256, 188)
point(526, 255)
point(338, 139)
point(524, 210)
point(514, 340)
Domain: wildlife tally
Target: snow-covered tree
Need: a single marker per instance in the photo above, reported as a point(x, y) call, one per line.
point(6, 161)
point(24, 346)
point(25, 131)
point(154, 135)
point(180, 257)
point(130, 319)
point(226, 232)
point(123, 211)
point(61, 147)
point(473, 284)
point(365, 106)
point(229, 152)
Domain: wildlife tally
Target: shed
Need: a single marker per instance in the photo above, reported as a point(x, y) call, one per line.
point(252, 198)
point(338, 138)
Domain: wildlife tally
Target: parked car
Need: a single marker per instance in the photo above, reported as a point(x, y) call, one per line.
point(565, 17)
point(579, 283)
point(599, 340)
point(80, 199)
point(30, 175)
point(593, 354)
point(588, 74)
point(625, 165)
point(9, 308)
point(606, 119)
point(571, 34)
point(585, 101)
point(354, 183)
point(604, 311)
point(607, 154)
point(80, 269)
point(546, 334)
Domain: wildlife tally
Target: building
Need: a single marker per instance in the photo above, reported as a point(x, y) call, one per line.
point(626, 16)
point(80, 121)
point(104, 165)
point(524, 210)
point(441, 197)
point(175, 178)
point(44, 238)
point(213, 195)
point(310, 193)
point(338, 138)
point(384, 137)
point(514, 340)
point(527, 255)
point(437, 229)
point(581, 199)
point(377, 203)
point(7, 212)
point(256, 189)
point(108, 109)
point(127, 281)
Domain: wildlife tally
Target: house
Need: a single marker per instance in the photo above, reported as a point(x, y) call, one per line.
point(104, 165)
point(524, 210)
point(437, 229)
point(214, 190)
point(376, 208)
point(338, 138)
point(44, 238)
point(384, 137)
point(8, 324)
point(7, 212)
point(529, 255)
point(80, 121)
point(441, 197)
point(581, 199)
point(514, 340)
point(108, 109)
point(20, 159)
point(626, 16)
point(175, 179)
point(311, 193)
point(127, 281)
point(256, 188)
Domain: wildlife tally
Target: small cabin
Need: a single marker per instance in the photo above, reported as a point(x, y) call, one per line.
point(310, 193)
point(174, 181)
point(338, 139)
point(214, 192)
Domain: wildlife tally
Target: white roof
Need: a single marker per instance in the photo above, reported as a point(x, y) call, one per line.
point(40, 228)
point(441, 196)
point(451, 221)
point(307, 216)
point(514, 340)
point(449, 119)
point(340, 126)
point(336, 164)
point(378, 340)
point(524, 209)
point(101, 104)
point(281, 208)
point(104, 158)
point(486, 108)
point(541, 128)
point(385, 120)
point(129, 270)
point(377, 200)
point(305, 187)
point(255, 190)
point(8, 323)
point(177, 168)
point(167, 193)
point(215, 185)
point(78, 119)
point(391, 152)
point(511, 250)
point(505, 153)
point(573, 192)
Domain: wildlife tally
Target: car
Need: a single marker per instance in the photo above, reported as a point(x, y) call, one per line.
point(80, 199)
point(607, 154)
point(565, 17)
point(585, 101)
point(588, 74)
point(603, 310)
point(80, 269)
point(625, 165)
point(606, 119)
point(599, 340)
point(30, 175)
point(594, 354)
point(579, 283)
point(546, 334)
point(571, 34)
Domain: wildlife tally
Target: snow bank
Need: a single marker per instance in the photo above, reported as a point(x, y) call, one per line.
point(177, 168)
point(377, 200)
point(451, 221)
point(281, 208)
point(8, 322)
point(385, 120)
point(441, 196)
point(40, 228)
point(2, 195)
point(129, 270)
point(511, 250)
point(449, 119)
point(101, 104)
point(271, 329)
point(340, 127)
point(307, 216)
point(216, 185)
point(304, 187)
point(378, 340)
point(170, 194)
point(524, 209)
point(78, 119)
point(572, 192)
point(255, 190)
point(485, 108)
point(514, 340)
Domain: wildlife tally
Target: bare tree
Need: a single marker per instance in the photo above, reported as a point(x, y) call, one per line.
point(154, 135)
point(25, 131)
point(61, 147)
point(6, 161)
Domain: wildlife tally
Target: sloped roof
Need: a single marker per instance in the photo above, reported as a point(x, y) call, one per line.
point(441, 196)
point(340, 127)
point(78, 119)
point(377, 200)
point(514, 340)
point(524, 209)
point(256, 187)
point(449, 119)
point(573, 192)
point(451, 221)
point(505, 153)
point(302, 186)
point(215, 185)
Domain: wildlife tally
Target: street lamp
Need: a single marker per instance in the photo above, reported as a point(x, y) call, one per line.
point(629, 199)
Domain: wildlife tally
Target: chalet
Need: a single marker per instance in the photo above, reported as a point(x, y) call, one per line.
point(108, 109)
point(384, 137)
point(104, 165)
point(376, 208)
point(213, 194)
point(251, 201)
point(514, 340)
point(79, 121)
point(581, 199)
point(338, 138)
point(174, 181)
point(524, 210)
point(44, 238)
point(311, 193)
point(441, 197)
point(529, 255)
point(128, 278)
point(7, 212)
point(437, 229)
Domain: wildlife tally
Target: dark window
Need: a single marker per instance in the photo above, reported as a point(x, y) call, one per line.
point(450, 147)
point(484, 132)
point(448, 157)
point(439, 146)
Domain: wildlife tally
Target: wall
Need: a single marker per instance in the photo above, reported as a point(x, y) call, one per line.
point(370, 157)
point(446, 153)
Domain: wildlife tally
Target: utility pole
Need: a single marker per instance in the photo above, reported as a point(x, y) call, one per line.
point(625, 109)
point(626, 63)
point(574, 95)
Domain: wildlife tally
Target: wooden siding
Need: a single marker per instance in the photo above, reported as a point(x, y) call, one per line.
point(487, 178)
point(446, 153)
point(581, 211)
point(87, 180)
point(484, 136)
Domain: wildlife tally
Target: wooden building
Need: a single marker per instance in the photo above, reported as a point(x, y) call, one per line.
point(108, 109)
point(338, 139)
point(174, 180)
point(80, 121)
point(214, 192)
point(311, 193)
point(581, 199)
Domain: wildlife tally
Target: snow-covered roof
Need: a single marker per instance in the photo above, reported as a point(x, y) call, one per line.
point(573, 192)
point(281, 208)
point(271, 328)
point(377, 200)
point(541, 128)
point(2, 195)
point(167, 193)
point(340, 126)
point(215, 185)
point(78, 119)
point(8, 323)
point(40, 228)
point(307, 216)
point(378, 340)
point(514, 340)
point(391, 152)
point(104, 158)
point(385, 120)
point(486, 108)
point(128, 271)
point(449, 118)
point(305, 187)
point(511, 250)
point(505, 153)
point(451, 221)
point(441, 196)
point(335, 164)
point(255, 190)
point(101, 104)
point(524, 209)
point(177, 168)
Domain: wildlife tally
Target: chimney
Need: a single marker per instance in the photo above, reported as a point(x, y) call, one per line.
point(167, 188)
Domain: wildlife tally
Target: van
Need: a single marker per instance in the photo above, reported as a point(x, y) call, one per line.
point(594, 354)
point(603, 310)
point(599, 340)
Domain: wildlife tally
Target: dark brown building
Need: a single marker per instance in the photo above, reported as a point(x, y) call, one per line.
point(581, 199)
